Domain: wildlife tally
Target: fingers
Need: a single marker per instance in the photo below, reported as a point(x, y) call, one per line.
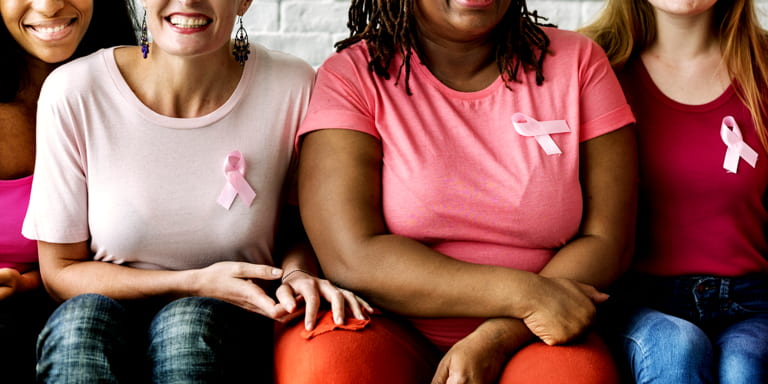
point(256, 300)
point(255, 271)
point(286, 297)
point(441, 375)
point(596, 296)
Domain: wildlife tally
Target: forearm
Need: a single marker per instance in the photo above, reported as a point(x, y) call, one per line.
point(509, 334)
point(603, 249)
point(66, 273)
point(409, 278)
point(594, 260)
point(300, 257)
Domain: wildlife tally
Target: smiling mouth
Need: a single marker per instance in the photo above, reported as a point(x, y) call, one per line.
point(186, 22)
point(51, 29)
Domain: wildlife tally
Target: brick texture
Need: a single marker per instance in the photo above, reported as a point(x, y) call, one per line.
point(308, 28)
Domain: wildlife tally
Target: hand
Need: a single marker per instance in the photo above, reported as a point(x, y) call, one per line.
point(477, 358)
point(11, 281)
point(232, 282)
point(562, 309)
point(300, 285)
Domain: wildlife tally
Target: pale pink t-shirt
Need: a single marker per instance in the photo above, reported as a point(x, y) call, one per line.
point(456, 175)
point(16, 251)
point(143, 186)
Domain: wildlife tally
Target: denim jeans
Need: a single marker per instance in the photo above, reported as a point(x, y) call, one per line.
point(94, 339)
point(692, 329)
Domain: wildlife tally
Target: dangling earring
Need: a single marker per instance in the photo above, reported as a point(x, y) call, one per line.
point(241, 48)
point(144, 38)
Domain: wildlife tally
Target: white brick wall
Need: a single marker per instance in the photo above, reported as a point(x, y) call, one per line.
point(308, 28)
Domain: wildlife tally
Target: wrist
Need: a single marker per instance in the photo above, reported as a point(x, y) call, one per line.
point(295, 271)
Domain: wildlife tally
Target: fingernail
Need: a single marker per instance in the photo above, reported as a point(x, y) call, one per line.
point(308, 325)
point(338, 320)
point(276, 272)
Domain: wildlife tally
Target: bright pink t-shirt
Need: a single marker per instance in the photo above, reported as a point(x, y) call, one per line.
point(16, 251)
point(456, 174)
point(695, 217)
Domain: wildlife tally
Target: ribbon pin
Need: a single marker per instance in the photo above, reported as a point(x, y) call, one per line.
point(737, 148)
point(234, 169)
point(540, 130)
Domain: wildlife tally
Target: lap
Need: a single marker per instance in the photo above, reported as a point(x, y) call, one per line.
point(388, 350)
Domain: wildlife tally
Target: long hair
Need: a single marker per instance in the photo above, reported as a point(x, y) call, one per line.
point(625, 28)
point(389, 28)
point(112, 24)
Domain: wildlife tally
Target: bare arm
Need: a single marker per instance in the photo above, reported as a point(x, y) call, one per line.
point(598, 256)
point(340, 195)
point(67, 271)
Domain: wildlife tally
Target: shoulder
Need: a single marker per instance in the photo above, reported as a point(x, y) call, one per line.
point(79, 74)
point(569, 39)
point(281, 65)
point(355, 56)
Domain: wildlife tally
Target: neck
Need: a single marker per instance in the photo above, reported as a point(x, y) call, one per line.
point(464, 66)
point(37, 71)
point(181, 86)
point(684, 37)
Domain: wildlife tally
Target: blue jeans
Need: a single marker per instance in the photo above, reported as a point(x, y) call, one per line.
point(94, 339)
point(693, 329)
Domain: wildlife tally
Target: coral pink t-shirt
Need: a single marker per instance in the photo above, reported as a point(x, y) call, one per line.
point(16, 251)
point(695, 217)
point(456, 174)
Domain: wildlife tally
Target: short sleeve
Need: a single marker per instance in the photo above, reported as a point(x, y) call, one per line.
point(342, 94)
point(58, 207)
point(603, 105)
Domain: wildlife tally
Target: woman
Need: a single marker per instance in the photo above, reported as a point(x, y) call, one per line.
point(468, 169)
point(160, 183)
point(695, 307)
point(35, 37)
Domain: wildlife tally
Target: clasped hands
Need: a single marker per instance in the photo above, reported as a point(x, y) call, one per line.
point(558, 311)
point(301, 292)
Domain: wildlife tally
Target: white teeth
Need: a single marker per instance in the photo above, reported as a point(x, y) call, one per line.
point(188, 22)
point(55, 29)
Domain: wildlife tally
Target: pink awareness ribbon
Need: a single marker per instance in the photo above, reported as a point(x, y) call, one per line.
point(737, 148)
point(540, 130)
point(234, 171)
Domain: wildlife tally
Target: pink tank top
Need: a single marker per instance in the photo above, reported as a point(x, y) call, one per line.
point(15, 250)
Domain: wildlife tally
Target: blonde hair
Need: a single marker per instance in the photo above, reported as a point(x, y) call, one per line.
point(626, 27)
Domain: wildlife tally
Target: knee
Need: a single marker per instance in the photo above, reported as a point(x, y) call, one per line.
point(381, 352)
point(82, 318)
point(668, 347)
point(185, 320)
point(743, 353)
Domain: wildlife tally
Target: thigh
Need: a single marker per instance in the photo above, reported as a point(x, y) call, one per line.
point(384, 351)
point(87, 340)
point(587, 362)
point(742, 350)
point(204, 340)
point(658, 347)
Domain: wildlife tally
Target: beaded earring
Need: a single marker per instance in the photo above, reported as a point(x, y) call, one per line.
point(241, 47)
point(144, 37)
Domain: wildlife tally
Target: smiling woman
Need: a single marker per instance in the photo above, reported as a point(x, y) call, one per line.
point(35, 37)
point(162, 205)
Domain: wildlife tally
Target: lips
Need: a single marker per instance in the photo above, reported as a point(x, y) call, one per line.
point(51, 30)
point(475, 3)
point(188, 22)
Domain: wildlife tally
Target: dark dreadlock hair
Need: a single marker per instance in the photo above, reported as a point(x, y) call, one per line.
point(388, 28)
